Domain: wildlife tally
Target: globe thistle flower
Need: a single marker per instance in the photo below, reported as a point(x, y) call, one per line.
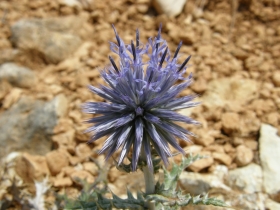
point(141, 101)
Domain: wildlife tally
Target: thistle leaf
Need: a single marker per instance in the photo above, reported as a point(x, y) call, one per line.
point(171, 178)
point(169, 197)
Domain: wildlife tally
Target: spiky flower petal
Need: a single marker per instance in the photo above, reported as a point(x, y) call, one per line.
point(140, 111)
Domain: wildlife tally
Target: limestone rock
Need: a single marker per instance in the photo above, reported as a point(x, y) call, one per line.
point(32, 167)
point(276, 78)
point(270, 156)
point(27, 126)
point(70, 3)
point(233, 92)
point(83, 151)
point(65, 139)
point(77, 3)
point(270, 204)
point(202, 163)
point(68, 170)
point(252, 144)
point(12, 97)
point(230, 122)
point(247, 179)
point(169, 7)
point(91, 167)
point(7, 55)
point(60, 105)
point(56, 161)
point(54, 39)
point(205, 137)
point(195, 183)
point(249, 123)
point(63, 182)
point(17, 75)
point(237, 125)
point(246, 201)
point(133, 181)
point(74, 160)
point(193, 149)
point(222, 157)
point(82, 175)
point(244, 155)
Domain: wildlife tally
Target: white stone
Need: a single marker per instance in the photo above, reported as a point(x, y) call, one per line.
point(220, 171)
point(232, 92)
point(270, 156)
point(247, 179)
point(169, 7)
point(70, 3)
point(61, 105)
point(195, 183)
point(272, 205)
point(28, 125)
point(54, 38)
point(17, 75)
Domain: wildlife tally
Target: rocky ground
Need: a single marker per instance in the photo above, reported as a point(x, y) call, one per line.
point(51, 50)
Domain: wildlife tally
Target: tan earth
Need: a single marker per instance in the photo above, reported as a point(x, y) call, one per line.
point(235, 48)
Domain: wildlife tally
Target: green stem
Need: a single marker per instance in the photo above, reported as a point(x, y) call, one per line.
point(149, 181)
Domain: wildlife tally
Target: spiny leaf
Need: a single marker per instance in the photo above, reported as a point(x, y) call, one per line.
point(168, 188)
point(168, 195)
point(184, 200)
point(129, 203)
point(103, 202)
point(198, 200)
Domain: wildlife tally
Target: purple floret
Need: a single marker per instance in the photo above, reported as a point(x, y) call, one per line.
point(141, 101)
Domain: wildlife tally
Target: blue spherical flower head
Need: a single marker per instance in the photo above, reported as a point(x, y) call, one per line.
point(140, 112)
